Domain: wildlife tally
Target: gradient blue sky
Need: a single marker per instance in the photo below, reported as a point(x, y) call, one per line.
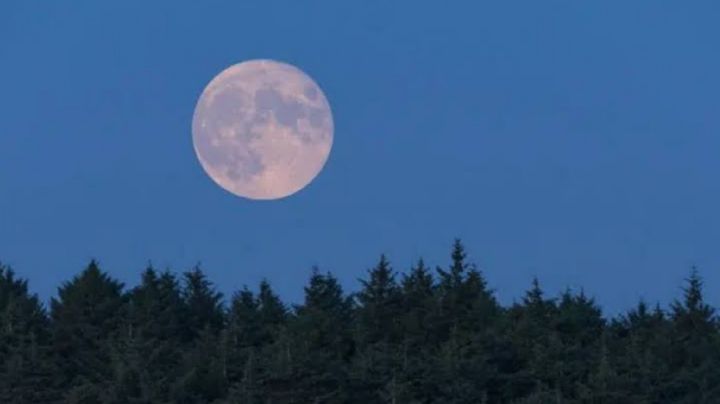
point(575, 141)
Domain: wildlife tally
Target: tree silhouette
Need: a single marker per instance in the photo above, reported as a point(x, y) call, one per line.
point(26, 368)
point(415, 337)
point(86, 317)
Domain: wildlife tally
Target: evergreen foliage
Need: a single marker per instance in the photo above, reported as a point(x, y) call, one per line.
point(421, 336)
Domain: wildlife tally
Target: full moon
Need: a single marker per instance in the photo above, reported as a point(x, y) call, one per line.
point(262, 129)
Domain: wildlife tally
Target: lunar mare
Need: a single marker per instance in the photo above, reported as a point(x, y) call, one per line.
point(262, 129)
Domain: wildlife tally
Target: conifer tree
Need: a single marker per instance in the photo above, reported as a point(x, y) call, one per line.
point(204, 372)
point(243, 339)
point(272, 311)
point(203, 303)
point(465, 301)
point(379, 304)
point(419, 308)
point(579, 327)
point(533, 339)
point(412, 341)
point(276, 343)
point(148, 351)
point(639, 345)
point(378, 335)
point(258, 350)
point(323, 341)
point(25, 366)
point(466, 321)
point(418, 305)
point(85, 318)
point(695, 349)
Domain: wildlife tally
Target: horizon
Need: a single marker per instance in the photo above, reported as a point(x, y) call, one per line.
point(351, 288)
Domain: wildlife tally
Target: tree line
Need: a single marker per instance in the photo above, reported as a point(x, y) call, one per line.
point(421, 336)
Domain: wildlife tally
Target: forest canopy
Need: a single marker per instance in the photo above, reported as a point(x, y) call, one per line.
point(417, 336)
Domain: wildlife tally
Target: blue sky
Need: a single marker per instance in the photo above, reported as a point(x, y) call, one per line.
point(574, 141)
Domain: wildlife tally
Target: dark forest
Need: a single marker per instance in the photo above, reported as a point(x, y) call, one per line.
point(421, 335)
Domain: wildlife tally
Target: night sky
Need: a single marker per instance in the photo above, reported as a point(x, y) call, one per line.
point(571, 141)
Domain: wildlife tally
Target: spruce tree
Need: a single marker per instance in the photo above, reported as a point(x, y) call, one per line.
point(258, 364)
point(204, 371)
point(204, 304)
point(275, 337)
point(639, 345)
point(466, 304)
point(418, 305)
point(25, 364)
point(413, 341)
point(243, 337)
point(534, 342)
point(419, 308)
point(378, 305)
point(272, 311)
point(148, 351)
point(85, 318)
point(323, 341)
point(695, 351)
point(579, 327)
point(466, 364)
point(378, 334)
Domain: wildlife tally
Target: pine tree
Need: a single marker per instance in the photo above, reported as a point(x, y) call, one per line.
point(419, 306)
point(272, 311)
point(25, 367)
point(85, 318)
point(258, 348)
point(323, 341)
point(203, 303)
point(693, 318)
point(579, 326)
point(275, 344)
point(244, 319)
point(638, 344)
point(416, 341)
point(378, 333)
point(695, 348)
point(203, 377)
point(148, 350)
point(604, 384)
point(531, 330)
point(379, 304)
point(466, 302)
point(466, 323)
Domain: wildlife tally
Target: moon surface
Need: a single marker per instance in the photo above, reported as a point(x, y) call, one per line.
point(262, 129)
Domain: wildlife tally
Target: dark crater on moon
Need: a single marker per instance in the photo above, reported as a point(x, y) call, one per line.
point(226, 114)
point(288, 112)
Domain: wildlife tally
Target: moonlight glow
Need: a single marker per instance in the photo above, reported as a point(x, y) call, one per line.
point(262, 129)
